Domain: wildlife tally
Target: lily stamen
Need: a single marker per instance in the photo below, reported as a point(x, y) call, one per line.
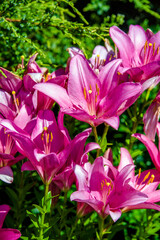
point(16, 101)
point(151, 179)
point(154, 48)
point(47, 138)
point(84, 92)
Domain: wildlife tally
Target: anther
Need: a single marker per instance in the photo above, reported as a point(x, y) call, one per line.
point(84, 92)
point(151, 179)
point(154, 48)
point(97, 88)
point(110, 57)
point(147, 175)
point(139, 173)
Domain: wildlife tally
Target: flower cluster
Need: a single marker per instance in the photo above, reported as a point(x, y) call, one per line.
point(96, 91)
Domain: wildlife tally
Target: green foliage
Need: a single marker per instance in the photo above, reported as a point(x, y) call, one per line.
point(52, 27)
point(145, 5)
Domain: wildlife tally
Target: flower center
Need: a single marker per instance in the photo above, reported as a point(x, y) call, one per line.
point(91, 97)
point(147, 179)
point(107, 185)
point(150, 52)
point(47, 138)
point(98, 63)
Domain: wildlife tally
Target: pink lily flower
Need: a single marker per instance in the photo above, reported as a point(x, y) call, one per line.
point(15, 102)
point(100, 57)
point(36, 74)
point(153, 151)
point(9, 81)
point(7, 233)
point(91, 98)
point(151, 118)
point(104, 191)
point(146, 182)
point(7, 152)
point(139, 51)
point(65, 177)
point(47, 146)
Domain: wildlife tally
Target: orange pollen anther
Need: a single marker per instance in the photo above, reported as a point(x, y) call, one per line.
point(154, 48)
point(97, 88)
point(17, 101)
point(147, 175)
point(151, 179)
point(110, 57)
point(46, 78)
point(84, 92)
point(145, 47)
point(108, 184)
point(96, 98)
point(139, 174)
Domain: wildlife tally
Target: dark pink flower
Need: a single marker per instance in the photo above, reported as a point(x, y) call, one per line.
point(111, 191)
point(7, 233)
point(91, 98)
point(151, 118)
point(154, 152)
point(146, 182)
point(106, 190)
point(46, 144)
point(139, 51)
point(7, 152)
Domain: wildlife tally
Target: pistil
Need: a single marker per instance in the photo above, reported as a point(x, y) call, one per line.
point(16, 101)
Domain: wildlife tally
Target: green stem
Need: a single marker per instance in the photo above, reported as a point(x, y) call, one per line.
point(101, 228)
point(95, 134)
point(44, 206)
point(104, 136)
point(73, 228)
point(20, 200)
point(63, 212)
point(96, 139)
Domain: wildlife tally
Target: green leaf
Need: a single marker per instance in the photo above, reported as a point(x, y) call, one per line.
point(40, 209)
point(33, 219)
point(4, 75)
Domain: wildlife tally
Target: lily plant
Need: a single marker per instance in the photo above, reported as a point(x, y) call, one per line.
point(112, 191)
point(139, 51)
point(91, 98)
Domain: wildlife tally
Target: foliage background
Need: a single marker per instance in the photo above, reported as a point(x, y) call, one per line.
point(49, 28)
